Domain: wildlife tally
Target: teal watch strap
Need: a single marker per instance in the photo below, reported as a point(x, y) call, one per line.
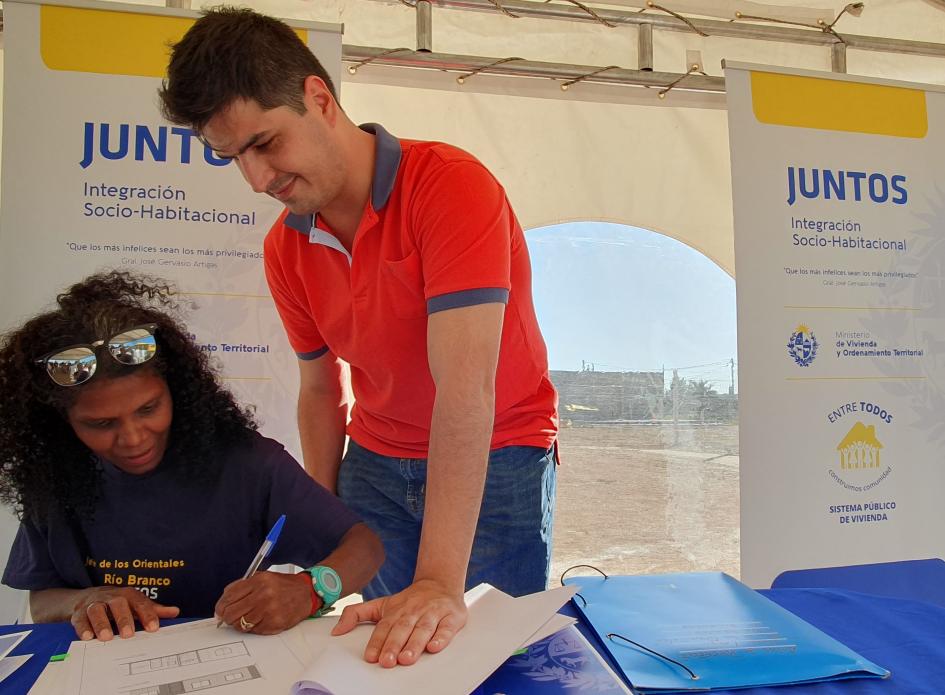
point(327, 585)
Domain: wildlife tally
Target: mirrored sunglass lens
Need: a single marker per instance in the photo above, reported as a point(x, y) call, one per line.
point(136, 346)
point(71, 367)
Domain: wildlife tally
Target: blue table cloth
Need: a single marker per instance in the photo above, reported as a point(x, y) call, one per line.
point(907, 637)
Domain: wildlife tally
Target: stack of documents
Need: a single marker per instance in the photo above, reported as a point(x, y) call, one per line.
point(699, 631)
point(306, 659)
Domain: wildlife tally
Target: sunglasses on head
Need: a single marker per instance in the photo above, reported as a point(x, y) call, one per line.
point(76, 364)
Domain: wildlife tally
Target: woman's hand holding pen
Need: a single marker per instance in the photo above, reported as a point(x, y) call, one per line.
point(266, 603)
point(98, 608)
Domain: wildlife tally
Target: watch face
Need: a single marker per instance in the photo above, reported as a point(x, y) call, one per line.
point(330, 581)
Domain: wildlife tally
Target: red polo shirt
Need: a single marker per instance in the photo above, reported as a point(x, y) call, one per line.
point(438, 233)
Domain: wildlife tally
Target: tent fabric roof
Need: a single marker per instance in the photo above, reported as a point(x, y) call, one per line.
point(610, 153)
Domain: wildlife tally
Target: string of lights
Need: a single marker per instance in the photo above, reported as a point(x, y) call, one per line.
point(790, 25)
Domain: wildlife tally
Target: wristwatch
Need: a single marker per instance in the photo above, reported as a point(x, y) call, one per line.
point(326, 584)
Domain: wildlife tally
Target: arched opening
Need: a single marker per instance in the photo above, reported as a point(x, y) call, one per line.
point(641, 336)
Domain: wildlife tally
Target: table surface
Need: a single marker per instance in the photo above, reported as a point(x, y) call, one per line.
point(906, 637)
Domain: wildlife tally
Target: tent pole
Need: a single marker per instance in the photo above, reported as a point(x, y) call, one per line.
point(424, 26)
point(645, 47)
point(526, 68)
point(729, 29)
point(838, 57)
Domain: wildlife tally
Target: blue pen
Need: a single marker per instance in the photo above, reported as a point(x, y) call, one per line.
point(264, 550)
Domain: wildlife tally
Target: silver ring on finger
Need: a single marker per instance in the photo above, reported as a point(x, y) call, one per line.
point(95, 603)
point(245, 625)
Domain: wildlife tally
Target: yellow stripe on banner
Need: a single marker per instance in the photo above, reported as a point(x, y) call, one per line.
point(111, 43)
point(815, 102)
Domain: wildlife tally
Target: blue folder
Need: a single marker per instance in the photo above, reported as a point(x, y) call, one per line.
point(705, 630)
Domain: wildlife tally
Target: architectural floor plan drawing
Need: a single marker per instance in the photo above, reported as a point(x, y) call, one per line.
point(188, 658)
point(185, 659)
point(192, 685)
point(306, 659)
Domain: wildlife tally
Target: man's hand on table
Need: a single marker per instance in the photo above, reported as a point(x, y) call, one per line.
point(424, 616)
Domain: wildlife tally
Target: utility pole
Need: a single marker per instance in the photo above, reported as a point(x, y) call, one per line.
point(731, 389)
point(675, 389)
point(663, 395)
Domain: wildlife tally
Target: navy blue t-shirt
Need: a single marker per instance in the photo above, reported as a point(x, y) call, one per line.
point(181, 543)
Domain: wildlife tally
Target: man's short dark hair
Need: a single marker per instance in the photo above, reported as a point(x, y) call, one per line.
point(231, 53)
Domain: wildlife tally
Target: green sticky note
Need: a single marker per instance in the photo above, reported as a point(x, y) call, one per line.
point(58, 657)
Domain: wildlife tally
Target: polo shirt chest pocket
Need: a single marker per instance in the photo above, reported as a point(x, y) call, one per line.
point(402, 286)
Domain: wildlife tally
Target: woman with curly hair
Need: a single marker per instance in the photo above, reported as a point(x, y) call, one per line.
point(143, 489)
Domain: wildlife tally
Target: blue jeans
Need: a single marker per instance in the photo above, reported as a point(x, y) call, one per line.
point(512, 547)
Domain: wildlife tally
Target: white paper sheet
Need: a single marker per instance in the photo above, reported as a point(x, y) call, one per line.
point(498, 625)
point(61, 676)
point(9, 642)
point(53, 679)
point(196, 656)
point(557, 623)
point(9, 664)
point(186, 658)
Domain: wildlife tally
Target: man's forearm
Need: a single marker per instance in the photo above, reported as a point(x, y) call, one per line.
point(322, 420)
point(460, 435)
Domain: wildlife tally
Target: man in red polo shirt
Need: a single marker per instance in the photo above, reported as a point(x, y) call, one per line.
point(404, 261)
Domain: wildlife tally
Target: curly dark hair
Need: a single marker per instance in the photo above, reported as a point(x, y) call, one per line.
point(236, 53)
point(42, 463)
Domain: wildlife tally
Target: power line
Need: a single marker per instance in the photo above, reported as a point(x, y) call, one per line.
point(590, 365)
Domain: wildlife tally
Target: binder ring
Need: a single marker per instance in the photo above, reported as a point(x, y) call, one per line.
point(596, 569)
point(693, 676)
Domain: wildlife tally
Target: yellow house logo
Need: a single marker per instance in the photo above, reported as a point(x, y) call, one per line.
point(860, 462)
point(860, 448)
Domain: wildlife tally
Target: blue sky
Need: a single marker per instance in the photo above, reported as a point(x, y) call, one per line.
point(628, 299)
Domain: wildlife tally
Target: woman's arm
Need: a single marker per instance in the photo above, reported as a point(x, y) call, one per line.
point(357, 558)
point(271, 602)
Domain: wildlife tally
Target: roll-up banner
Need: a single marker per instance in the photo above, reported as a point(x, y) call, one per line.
point(93, 178)
point(839, 199)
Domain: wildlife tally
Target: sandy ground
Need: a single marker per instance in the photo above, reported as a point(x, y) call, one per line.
point(639, 499)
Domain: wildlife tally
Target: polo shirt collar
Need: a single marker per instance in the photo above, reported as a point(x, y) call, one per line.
point(387, 154)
